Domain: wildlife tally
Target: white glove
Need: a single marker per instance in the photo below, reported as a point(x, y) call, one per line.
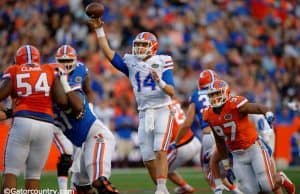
point(63, 77)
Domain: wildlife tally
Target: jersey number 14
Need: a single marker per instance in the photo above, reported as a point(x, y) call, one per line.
point(147, 82)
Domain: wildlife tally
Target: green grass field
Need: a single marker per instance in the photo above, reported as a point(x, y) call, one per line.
point(136, 181)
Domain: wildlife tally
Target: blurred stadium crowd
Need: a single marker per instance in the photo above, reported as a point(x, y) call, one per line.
point(253, 44)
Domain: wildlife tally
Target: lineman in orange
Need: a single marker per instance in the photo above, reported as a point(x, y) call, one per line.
point(35, 88)
point(228, 117)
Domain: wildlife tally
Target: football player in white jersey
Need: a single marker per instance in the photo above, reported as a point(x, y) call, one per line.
point(264, 129)
point(151, 77)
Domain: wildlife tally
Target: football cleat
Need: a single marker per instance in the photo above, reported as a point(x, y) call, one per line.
point(287, 184)
point(104, 186)
point(188, 189)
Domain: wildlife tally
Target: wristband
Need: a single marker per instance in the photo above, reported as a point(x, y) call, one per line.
point(65, 84)
point(100, 32)
point(162, 84)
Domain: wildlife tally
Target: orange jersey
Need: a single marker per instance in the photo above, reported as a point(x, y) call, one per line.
point(32, 89)
point(179, 118)
point(239, 132)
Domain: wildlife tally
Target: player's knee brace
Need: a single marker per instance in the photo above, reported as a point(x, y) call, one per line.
point(85, 189)
point(64, 164)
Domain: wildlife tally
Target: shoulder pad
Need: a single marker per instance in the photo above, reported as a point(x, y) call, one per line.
point(129, 58)
point(237, 101)
point(167, 62)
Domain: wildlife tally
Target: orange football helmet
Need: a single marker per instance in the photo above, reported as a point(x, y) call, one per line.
point(218, 93)
point(206, 78)
point(27, 54)
point(145, 44)
point(67, 56)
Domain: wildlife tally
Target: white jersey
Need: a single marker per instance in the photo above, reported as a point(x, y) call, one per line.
point(147, 93)
point(261, 124)
point(264, 129)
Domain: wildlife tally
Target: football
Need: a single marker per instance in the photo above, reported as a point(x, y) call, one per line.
point(94, 10)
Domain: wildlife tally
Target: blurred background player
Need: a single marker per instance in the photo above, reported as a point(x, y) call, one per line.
point(152, 80)
point(264, 129)
point(96, 141)
point(34, 88)
point(185, 150)
point(228, 117)
point(78, 78)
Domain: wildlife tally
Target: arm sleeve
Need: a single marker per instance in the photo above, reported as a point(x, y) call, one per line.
point(119, 63)
point(167, 76)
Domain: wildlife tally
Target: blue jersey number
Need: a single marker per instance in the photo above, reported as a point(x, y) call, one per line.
point(62, 122)
point(147, 82)
point(204, 100)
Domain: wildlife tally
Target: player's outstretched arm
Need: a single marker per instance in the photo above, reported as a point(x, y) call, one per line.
point(187, 123)
point(253, 108)
point(97, 25)
point(115, 59)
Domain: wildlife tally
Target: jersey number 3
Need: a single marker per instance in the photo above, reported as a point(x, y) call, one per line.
point(40, 86)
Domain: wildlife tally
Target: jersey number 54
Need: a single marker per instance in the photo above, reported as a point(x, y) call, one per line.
point(41, 85)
